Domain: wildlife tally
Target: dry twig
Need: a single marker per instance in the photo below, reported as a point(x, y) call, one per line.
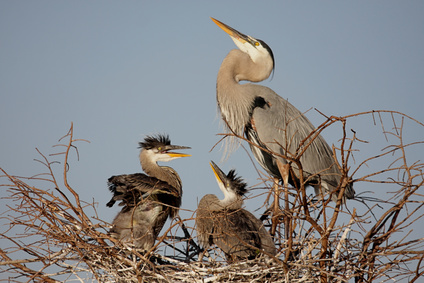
point(53, 236)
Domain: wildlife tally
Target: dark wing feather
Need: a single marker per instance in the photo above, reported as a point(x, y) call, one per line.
point(131, 188)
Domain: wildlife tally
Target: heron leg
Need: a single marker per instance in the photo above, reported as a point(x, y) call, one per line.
point(276, 207)
point(284, 172)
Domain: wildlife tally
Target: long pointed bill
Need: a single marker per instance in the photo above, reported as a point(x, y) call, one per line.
point(176, 154)
point(235, 35)
point(219, 175)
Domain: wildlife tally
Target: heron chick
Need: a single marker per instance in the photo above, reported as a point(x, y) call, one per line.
point(147, 199)
point(271, 123)
point(236, 231)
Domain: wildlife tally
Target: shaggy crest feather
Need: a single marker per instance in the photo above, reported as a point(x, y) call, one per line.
point(155, 141)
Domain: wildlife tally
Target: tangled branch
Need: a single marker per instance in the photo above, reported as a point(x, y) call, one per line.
point(51, 235)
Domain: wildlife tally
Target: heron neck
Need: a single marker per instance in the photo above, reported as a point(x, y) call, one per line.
point(213, 203)
point(234, 99)
point(163, 173)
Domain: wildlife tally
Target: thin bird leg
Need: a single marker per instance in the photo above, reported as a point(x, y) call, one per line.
point(284, 172)
point(276, 207)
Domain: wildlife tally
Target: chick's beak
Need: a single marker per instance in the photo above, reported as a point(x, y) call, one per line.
point(219, 175)
point(177, 154)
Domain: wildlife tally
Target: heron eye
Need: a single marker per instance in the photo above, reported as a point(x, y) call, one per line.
point(159, 148)
point(257, 43)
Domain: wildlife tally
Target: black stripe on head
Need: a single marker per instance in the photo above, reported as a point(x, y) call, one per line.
point(269, 50)
point(155, 141)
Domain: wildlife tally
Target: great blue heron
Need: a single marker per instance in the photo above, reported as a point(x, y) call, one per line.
point(149, 199)
point(236, 231)
point(269, 121)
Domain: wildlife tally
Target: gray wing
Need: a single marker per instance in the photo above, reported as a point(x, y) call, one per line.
point(204, 222)
point(281, 128)
point(236, 234)
point(266, 242)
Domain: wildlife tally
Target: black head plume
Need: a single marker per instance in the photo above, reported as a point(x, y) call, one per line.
point(236, 183)
point(155, 141)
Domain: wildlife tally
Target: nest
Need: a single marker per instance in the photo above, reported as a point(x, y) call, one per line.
point(53, 236)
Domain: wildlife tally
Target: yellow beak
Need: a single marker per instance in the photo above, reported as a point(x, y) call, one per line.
point(232, 32)
point(176, 154)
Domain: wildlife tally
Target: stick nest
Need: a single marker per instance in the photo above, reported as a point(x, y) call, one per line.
point(51, 235)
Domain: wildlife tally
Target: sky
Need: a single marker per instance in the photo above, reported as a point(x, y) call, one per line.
point(119, 71)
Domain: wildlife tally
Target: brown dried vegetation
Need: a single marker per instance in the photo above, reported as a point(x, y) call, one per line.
point(53, 236)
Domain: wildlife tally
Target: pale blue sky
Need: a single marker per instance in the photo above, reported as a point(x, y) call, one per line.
point(121, 70)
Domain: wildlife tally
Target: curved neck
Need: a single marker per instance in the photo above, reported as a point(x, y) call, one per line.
point(213, 203)
point(163, 173)
point(233, 101)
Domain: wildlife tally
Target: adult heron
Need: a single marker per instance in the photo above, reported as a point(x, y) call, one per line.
point(236, 231)
point(150, 199)
point(269, 122)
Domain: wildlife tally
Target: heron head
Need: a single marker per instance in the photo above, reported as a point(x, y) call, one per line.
point(159, 147)
point(258, 50)
point(231, 185)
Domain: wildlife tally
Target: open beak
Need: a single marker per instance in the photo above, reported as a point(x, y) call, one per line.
point(176, 154)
